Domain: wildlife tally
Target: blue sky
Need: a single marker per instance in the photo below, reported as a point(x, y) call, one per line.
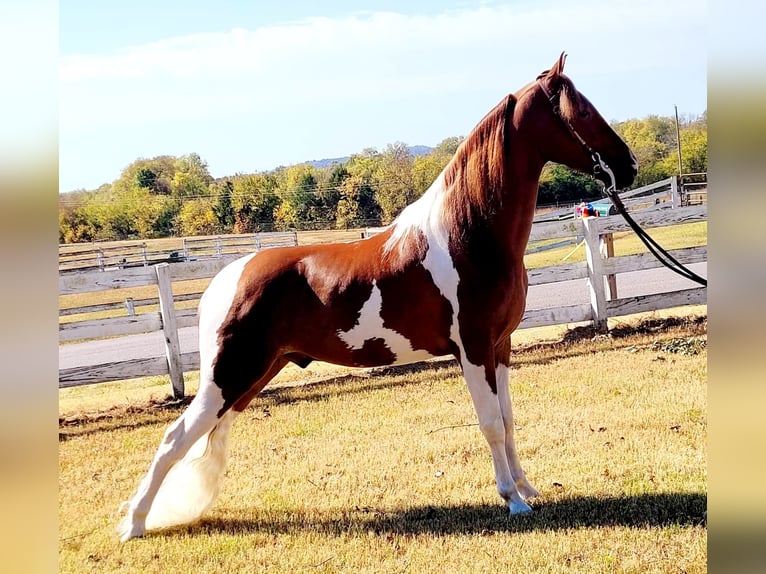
point(254, 85)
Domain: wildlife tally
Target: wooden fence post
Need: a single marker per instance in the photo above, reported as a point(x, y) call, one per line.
point(607, 250)
point(675, 198)
point(170, 329)
point(595, 273)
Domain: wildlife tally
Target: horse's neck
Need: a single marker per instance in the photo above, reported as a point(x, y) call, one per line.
point(513, 222)
point(509, 224)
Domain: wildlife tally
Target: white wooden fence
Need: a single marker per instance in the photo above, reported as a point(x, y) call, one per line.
point(82, 257)
point(599, 268)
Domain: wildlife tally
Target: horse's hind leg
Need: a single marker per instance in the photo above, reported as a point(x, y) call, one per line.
point(184, 478)
point(199, 419)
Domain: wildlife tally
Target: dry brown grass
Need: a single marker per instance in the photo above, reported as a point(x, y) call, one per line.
point(388, 473)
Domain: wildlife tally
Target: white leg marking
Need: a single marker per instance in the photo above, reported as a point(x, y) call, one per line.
point(438, 262)
point(179, 498)
point(492, 426)
point(370, 326)
point(504, 397)
point(184, 477)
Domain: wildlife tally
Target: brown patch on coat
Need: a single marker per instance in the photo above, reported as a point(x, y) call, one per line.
point(292, 302)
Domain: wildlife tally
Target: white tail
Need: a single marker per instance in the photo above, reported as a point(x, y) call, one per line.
point(192, 484)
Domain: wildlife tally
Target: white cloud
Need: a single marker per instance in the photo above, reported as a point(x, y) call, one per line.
point(382, 55)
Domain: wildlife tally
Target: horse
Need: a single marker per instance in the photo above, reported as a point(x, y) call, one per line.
point(446, 277)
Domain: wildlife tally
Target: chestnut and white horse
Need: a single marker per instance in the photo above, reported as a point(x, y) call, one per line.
point(447, 277)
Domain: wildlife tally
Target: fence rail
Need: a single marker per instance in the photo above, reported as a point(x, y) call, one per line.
point(77, 258)
point(599, 268)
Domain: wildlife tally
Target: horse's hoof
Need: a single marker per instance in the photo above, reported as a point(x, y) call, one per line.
point(519, 507)
point(130, 527)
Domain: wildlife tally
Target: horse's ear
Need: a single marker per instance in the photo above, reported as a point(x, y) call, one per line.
point(552, 78)
point(558, 68)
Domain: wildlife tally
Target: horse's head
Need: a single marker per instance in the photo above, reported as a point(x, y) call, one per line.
point(575, 134)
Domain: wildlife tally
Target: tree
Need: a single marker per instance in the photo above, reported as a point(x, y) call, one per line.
point(223, 208)
point(393, 180)
point(197, 218)
point(448, 146)
point(285, 217)
point(558, 183)
point(191, 178)
point(153, 174)
point(651, 141)
point(357, 206)
point(254, 201)
point(146, 177)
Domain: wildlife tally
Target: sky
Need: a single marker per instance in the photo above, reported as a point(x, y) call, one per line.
point(250, 86)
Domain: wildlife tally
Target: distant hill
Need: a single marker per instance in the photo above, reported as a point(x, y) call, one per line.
point(415, 150)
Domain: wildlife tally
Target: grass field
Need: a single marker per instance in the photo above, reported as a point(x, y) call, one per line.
point(389, 472)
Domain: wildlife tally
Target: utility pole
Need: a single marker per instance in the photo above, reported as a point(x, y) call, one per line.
point(678, 139)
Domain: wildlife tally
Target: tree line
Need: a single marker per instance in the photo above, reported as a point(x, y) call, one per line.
point(176, 196)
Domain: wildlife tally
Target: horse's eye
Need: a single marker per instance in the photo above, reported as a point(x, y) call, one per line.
point(584, 114)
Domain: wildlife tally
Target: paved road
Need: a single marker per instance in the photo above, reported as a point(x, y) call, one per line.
point(540, 296)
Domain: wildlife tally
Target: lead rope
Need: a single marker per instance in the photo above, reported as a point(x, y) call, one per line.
point(655, 248)
point(600, 165)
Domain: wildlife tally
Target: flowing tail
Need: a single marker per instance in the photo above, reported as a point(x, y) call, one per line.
point(193, 483)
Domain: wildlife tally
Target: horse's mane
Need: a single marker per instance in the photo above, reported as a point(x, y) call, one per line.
point(477, 174)
point(474, 181)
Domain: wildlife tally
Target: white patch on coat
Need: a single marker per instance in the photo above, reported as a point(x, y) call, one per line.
point(425, 214)
point(370, 326)
point(214, 306)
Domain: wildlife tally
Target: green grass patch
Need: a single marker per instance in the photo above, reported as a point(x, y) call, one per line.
point(389, 473)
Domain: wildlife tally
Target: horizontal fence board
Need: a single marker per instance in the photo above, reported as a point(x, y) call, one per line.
point(122, 370)
point(649, 219)
point(99, 328)
point(82, 258)
point(647, 260)
point(556, 230)
point(121, 304)
point(557, 273)
point(647, 189)
point(127, 325)
point(123, 278)
point(556, 316)
point(643, 303)
point(186, 317)
point(202, 269)
point(106, 280)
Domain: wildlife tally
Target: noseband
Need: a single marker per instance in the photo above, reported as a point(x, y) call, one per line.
point(599, 165)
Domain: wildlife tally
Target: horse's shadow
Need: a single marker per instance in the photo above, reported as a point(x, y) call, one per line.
point(641, 511)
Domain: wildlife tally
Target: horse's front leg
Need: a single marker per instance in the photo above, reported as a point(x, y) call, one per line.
point(481, 380)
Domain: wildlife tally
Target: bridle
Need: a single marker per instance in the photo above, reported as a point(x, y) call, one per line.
point(600, 166)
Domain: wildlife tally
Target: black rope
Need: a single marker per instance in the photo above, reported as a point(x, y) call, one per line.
point(600, 166)
point(655, 248)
